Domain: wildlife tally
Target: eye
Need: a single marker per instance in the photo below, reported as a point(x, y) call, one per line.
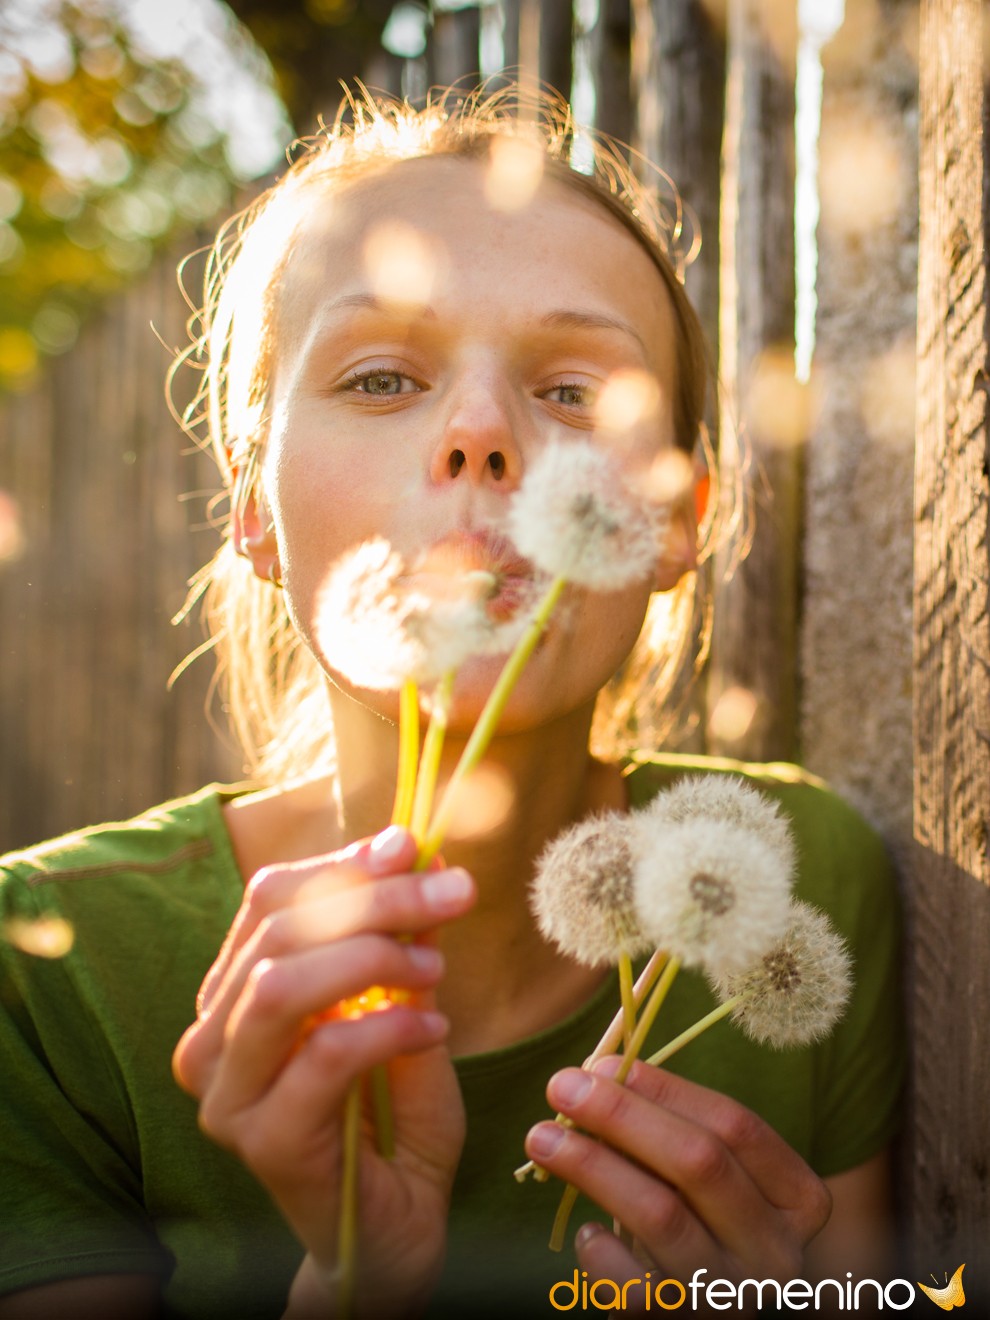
point(572, 394)
point(380, 383)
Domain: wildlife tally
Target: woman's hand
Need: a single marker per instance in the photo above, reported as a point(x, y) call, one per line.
point(700, 1181)
point(271, 1060)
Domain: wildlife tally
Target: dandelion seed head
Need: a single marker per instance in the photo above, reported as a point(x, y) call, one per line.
point(575, 517)
point(709, 891)
point(797, 990)
point(582, 892)
point(380, 622)
point(726, 798)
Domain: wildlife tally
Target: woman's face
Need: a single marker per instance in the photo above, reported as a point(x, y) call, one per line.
point(412, 414)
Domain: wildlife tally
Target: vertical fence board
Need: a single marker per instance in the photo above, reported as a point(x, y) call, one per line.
point(99, 470)
point(453, 51)
point(754, 641)
point(611, 43)
point(949, 1186)
point(678, 86)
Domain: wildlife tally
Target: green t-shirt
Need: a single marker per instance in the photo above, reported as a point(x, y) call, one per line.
point(104, 1169)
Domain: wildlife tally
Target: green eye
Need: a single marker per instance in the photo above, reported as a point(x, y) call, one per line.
point(570, 395)
point(381, 383)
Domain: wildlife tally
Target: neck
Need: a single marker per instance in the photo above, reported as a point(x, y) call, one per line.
point(503, 981)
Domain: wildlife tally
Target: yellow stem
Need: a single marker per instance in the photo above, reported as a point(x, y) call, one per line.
point(691, 1033)
point(347, 1229)
point(408, 753)
point(429, 765)
point(627, 993)
point(647, 1018)
point(483, 731)
point(653, 1005)
point(607, 1045)
point(381, 1101)
point(559, 1231)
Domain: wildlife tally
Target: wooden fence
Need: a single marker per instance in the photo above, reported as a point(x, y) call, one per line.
point(107, 496)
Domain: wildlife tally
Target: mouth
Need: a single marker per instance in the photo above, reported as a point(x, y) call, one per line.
point(484, 564)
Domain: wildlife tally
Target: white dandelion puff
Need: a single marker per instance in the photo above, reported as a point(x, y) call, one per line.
point(727, 798)
point(796, 991)
point(380, 622)
point(710, 891)
point(575, 517)
point(582, 892)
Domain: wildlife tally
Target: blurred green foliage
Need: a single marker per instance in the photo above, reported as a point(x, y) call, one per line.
point(102, 157)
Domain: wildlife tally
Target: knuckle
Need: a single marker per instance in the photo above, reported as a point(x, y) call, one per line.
point(267, 987)
point(739, 1128)
point(274, 937)
point(663, 1218)
point(262, 889)
point(613, 1103)
point(704, 1159)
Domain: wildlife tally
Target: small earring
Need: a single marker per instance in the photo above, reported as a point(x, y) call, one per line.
point(275, 573)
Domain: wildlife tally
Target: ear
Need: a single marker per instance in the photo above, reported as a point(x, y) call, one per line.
point(253, 535)
point(680, 553)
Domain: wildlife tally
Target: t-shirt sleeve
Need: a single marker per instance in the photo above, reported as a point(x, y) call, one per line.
point(860, 1067)
point(71, 1187)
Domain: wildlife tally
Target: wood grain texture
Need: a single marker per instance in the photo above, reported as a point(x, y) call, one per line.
point(109, 494)
point(949, 1168)
point(678, 84)
point(754, 645)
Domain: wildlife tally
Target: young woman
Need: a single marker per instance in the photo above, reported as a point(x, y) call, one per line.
point(348, 400)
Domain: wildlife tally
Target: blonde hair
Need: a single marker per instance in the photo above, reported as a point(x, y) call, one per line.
point(274, 691)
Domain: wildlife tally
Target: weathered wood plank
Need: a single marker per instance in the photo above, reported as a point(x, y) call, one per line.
point(99, 469)
point(754, 644)
point(949, 1171)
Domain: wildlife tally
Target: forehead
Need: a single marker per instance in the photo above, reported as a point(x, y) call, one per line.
point(561, 249)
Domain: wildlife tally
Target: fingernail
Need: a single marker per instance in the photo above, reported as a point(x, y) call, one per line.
point(569, 1087)
point(446, 888)
point(435, 1023)
point(426, 958)
point(544, 1140)
point(586, 1232)
point(389, 845)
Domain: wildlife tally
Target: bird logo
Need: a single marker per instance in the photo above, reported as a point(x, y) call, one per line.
point(951, 1295)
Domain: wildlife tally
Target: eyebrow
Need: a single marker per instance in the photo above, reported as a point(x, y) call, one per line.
point(561, 318)
point(568, 319)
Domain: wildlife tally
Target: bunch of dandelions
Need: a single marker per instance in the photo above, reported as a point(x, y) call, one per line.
point(577, 521)
point(702, 876)
point(580, 522)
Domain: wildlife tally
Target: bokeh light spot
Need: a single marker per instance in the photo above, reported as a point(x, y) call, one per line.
point(733, 715)
point(515, 168)
point(401, 265)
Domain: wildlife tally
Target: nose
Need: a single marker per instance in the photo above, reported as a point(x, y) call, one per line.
point(478, 443)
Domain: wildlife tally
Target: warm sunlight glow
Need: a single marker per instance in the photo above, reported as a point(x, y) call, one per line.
point(514, 172)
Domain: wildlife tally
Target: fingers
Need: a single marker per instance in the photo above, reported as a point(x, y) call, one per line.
point(681, 1181)
point(780, 1174)
point(407, 904)
point(306, 1093)
point(243, 1050)
point(652, 1210)
point(275, 888)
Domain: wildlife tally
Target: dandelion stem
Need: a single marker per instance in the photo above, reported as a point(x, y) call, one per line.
point(426, 780)
point(628, 994)
point(347, 1230)
point(690, 1033)
point(381, 1100)
point(408, 753)
point(607, 1044)
point(559, 1231)
point(647, 1018)
point(483, 731)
